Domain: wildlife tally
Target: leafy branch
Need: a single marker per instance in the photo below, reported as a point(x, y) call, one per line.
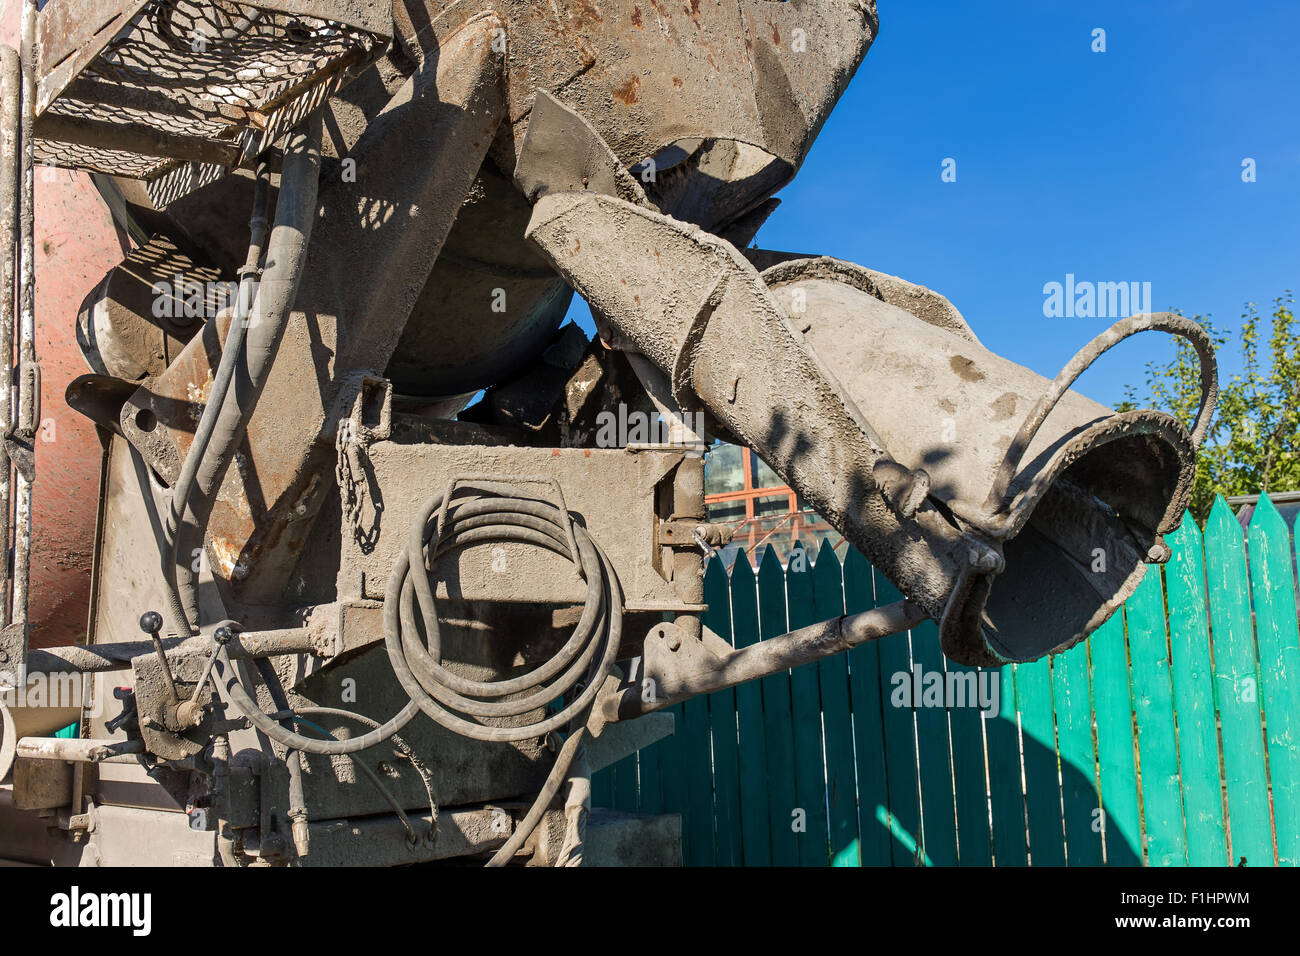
point(1253, 443)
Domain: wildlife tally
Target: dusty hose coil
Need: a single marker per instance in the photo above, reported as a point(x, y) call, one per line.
point(583, 662)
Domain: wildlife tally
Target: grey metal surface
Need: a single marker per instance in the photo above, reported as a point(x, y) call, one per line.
point(633, 839)
point(650, 76)
point(614, 490)
point(20, 434)
point(414, 165)
point(126, 332)
point(490, 305)
point(17, 722)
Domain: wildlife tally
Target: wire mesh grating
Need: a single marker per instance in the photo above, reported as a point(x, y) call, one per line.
point(197, 81)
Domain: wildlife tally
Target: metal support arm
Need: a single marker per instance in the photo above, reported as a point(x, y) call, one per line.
point(678, 668)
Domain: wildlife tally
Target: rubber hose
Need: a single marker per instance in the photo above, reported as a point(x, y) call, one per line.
point(442, 695)
point(232, 691)
point(400, 746)
point(179, 616)
point(286, 255)
point(554, 780)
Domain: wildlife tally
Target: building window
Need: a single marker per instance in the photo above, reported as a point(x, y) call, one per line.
point(744, 494)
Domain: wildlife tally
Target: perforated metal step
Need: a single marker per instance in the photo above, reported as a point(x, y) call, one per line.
point(139, 88)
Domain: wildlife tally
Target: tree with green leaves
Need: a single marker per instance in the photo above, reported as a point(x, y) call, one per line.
point(1253, 444)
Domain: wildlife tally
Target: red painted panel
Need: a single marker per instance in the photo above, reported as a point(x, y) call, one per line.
point(76, 245)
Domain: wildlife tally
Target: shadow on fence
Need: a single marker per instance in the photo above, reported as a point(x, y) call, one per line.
point(1154, 741)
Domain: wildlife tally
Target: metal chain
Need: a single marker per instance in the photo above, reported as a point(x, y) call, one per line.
point(350, 475)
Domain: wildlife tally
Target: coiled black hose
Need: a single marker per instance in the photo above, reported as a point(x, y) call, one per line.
point(577, 670)
point(460, 704)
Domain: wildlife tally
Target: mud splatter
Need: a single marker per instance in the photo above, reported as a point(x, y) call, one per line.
point(1004, 407)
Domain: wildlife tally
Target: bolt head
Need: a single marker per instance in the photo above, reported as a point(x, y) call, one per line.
point(222, 635)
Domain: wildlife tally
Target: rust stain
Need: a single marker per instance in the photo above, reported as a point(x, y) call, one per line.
point(776, 35)
point(227, 555)
point(627, 93)
point(677, 82)
point(587, 14)
point(636, 17)
point(965, 369)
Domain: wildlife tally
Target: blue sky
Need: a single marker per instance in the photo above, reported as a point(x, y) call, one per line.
point(1117, 166)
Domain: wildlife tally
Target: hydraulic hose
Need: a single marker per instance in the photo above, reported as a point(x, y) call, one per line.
point(412, 838)
point(554, 780)
point(286, 256)
point(576, 672)
point(179, 618)
point(439, 692)
point(233, 692)
point(399, 744)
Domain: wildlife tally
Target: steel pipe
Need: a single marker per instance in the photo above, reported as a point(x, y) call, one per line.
point(803, 646)
point(29, 393)
point(93, 658)
point(79, 749)
point(10, 136)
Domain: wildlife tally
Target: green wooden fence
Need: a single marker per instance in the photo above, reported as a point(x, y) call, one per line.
point(1170, 737)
